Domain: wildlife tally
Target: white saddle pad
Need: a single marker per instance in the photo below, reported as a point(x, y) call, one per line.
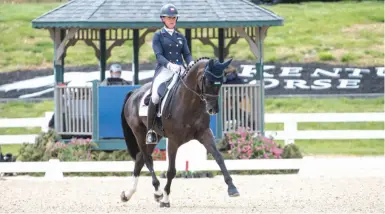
point(143, 108)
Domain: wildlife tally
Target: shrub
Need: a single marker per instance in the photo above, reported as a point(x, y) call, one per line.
point(75, 150)
point(46, 147)
point(37, 151)
point(245, 145)
point(291, 151)
point(223, 145)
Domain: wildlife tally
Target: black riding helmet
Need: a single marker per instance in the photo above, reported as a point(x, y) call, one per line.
point(169, 10)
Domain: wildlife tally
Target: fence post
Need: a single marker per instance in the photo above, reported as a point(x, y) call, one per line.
point(54, 171)
point(290, 127)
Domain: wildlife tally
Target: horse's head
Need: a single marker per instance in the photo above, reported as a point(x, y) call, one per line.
point(211, 80)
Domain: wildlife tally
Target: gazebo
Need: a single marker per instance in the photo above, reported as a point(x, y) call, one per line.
point(97, 21)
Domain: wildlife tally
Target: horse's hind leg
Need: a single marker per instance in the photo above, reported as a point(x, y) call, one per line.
point(146, 150)
point(139, 163)
point(143, 157)
point(158, 195)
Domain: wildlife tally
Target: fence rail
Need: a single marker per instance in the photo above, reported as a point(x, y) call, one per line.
point(346, 166)
point(41, 122)
point(289, 134)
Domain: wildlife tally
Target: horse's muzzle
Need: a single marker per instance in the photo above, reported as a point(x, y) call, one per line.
point(211, 112)
point(212, 108)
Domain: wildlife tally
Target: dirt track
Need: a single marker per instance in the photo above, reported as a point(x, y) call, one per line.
point(259, 194)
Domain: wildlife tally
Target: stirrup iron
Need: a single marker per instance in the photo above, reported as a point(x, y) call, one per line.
point(151, 137)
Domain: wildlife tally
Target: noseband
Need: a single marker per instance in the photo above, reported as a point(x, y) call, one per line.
point(203, 96)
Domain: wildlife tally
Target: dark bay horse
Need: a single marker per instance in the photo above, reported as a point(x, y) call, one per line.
point(195, 98)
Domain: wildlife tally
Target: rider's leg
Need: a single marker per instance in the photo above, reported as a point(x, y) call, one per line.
point(163, 76)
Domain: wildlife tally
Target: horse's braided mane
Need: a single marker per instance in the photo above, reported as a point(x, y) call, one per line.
point(190, 66)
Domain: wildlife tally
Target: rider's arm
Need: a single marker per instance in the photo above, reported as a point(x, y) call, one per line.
point(186, 52)
point(158, 50)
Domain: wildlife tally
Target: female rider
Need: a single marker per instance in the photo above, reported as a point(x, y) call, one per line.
point(169, 46)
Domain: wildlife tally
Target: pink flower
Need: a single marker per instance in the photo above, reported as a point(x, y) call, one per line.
point(277, 151)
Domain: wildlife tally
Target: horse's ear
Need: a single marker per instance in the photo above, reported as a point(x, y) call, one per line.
point(227, 63)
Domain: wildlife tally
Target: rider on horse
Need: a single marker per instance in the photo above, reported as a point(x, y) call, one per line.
point(169, 46)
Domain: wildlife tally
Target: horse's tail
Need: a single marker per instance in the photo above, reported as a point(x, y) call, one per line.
point(129, 137)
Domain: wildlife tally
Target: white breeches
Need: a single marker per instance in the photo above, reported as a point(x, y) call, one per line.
point(163, 76)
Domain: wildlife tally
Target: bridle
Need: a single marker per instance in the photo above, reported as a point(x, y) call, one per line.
point(203, 96)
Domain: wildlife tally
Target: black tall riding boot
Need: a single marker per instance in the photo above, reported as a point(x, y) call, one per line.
point(151, 114)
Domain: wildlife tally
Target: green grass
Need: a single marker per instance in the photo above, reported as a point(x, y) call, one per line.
point(13, 149)
point(276, 105)
point(25, 109)
point(342, 147)
point(318, 105)
point(15, 131)
point(346, 32)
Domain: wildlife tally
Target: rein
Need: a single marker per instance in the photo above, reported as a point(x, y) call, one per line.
point(202, 95)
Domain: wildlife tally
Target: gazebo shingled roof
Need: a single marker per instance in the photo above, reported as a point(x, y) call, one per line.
point(145, 14)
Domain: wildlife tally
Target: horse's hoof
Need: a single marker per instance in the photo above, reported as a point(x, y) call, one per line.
point(123, 197)
point(163, 204)
point(158, 197)
point(233, 192)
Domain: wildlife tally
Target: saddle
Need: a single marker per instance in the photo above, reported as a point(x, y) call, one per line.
point(166, 111)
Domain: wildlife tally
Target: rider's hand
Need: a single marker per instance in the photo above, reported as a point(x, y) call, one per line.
point(191, 63)
point(173, 67)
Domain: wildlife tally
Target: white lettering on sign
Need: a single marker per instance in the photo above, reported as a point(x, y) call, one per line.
point(334, 74)
point(356, 72)
point(292, 84)
point(271, 83)
point(290, 72)
point(247, 70)
point(349, 83)
point(322, 84)
point(380, 71)
point(267, 68)
point(302, 84)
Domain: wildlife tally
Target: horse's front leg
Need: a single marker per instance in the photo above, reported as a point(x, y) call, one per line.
point(207, 139)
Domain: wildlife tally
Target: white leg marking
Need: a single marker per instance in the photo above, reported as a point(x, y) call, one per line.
point(133, 189)
point(158, 193)
point(165, 198)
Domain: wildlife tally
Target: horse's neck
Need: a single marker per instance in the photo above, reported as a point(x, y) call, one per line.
point(189, 98)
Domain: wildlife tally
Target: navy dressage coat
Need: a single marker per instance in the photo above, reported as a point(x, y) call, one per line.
point(169, 48)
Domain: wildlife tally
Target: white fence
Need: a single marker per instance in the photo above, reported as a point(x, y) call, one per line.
point(197, 160)
point(41, 122)
point(289, 134)
point(291, 120)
